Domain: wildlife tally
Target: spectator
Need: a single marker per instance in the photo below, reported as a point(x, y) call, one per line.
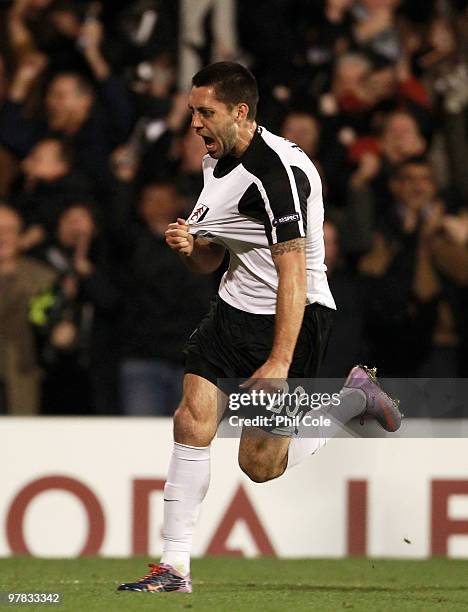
point(360, 213)
point(330, 32)
point(21, 278)
point(402, 288)
point(71, 108)
point(376, 28)
point(401, 139)
point(445, 63)
point(79, 331)
point(344, 114)
point(364, 87)
point(48, 26)
point(143, 30)
point(302, 129)
point(346, 346)
point(194, 48)
point(162, 146)
point(26, 22)
point(48, 184)
point(365, 96)
point(449, 249)
point(166, 299)
point(414, 195)
point(189, 181)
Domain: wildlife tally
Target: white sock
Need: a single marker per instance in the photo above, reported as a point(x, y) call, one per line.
point(352, 404)
point(310, 440)
point(186, 486)
point(300, 448)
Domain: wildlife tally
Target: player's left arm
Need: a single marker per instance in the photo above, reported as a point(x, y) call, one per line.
point(289, 259)
point(290, 263)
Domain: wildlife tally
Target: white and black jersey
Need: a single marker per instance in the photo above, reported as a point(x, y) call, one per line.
point(272, 193)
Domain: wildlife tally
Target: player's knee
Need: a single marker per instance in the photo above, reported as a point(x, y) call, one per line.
point(257, 471)
point(189, 412)
point(186, 417)
point(191, 425)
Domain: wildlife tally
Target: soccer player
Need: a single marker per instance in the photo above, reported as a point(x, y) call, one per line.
point(262, 202)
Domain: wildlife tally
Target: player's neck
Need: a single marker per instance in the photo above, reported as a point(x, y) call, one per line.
point(245, 138)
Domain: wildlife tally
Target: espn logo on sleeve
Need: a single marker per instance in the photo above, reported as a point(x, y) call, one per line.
point(286, 219)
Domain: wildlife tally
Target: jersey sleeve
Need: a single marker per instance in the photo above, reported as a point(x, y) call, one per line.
point(284, 190)
point(285, 195)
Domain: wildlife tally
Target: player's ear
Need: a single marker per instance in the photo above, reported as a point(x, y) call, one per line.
point(242, 111)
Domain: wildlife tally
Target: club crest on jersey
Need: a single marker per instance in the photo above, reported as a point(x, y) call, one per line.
point(286, 219)
point(198, 214)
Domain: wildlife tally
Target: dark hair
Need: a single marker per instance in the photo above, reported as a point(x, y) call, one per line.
point(417, 160)
point(232, 83)
point(299, 112)
point(394, 113)
point(85, 204)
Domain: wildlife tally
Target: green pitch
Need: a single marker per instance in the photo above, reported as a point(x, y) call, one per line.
point(238, 585)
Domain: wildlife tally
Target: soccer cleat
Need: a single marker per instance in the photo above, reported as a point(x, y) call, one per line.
point(378, 404)
point(161, 578)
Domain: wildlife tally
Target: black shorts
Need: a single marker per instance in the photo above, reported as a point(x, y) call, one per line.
point(232, 343)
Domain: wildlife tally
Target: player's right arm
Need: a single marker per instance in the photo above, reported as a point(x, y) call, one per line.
point(199, 255)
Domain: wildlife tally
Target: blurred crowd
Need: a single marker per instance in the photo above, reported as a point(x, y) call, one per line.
point(97, 156)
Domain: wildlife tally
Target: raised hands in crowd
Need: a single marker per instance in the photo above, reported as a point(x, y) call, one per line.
point(93, 109)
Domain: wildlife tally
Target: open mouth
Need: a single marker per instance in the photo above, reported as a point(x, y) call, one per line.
point(209, 142)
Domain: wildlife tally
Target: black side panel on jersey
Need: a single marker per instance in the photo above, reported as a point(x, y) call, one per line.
point(303, 190)
point(265, 164)
point(252, 205)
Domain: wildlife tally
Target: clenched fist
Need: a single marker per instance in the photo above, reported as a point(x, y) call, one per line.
point(179, 238)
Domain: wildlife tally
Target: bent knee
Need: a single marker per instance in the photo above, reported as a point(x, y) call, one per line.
point(258, 472)
point(182, 413)
point(188, 412)
point(193, 426)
